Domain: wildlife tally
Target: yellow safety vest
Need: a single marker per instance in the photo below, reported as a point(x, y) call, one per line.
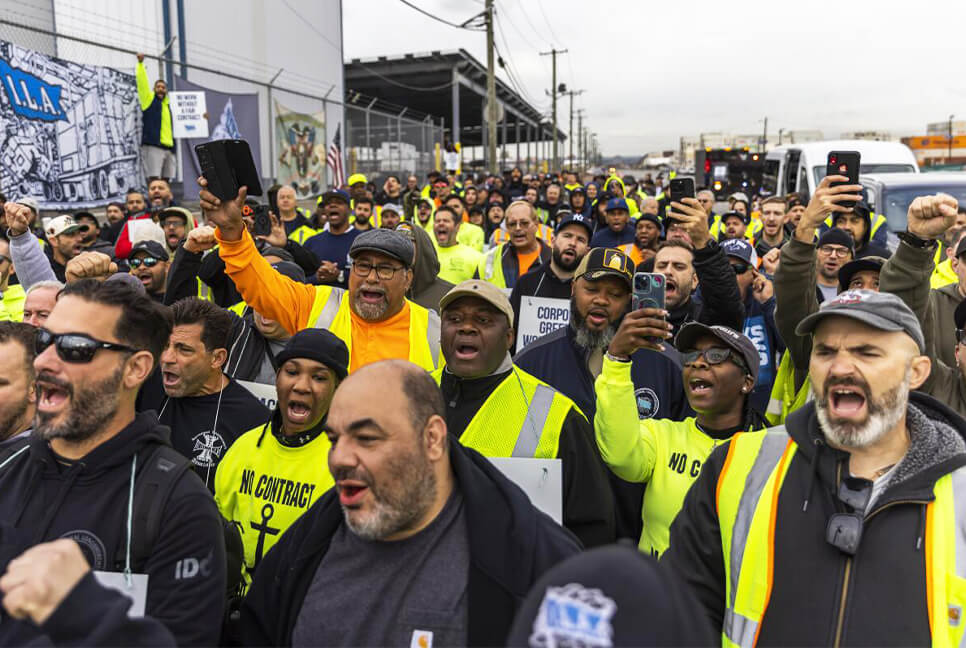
point(265, 486)
point(746, 497)
point(878, 220)
point(785, 399)
point(491, 267)
point(717, 227)
point(521, 418)
point(302, 233)
point(239, 308)
point(11, 307)
point(943, 275)
point(331, 311)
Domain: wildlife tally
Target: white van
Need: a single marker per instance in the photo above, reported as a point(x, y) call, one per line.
point(800, 167)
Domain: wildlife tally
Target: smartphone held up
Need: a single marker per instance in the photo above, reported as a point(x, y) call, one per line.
point(228, 165)
point(844, 163)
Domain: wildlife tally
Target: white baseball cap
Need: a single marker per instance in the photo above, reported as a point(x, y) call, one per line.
point(63, 224)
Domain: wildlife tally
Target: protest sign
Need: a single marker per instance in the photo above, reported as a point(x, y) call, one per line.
point(539, 316)
point(188, 118)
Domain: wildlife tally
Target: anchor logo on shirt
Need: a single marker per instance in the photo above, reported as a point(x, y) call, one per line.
point(267, 512)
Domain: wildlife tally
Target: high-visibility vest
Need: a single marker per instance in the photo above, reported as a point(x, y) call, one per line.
point(543, 215)
point(470, 235)
point(239, 308)
point(331, 311)
point(878, 220)
point(633, 252)
point(521, 418)
point(11, 307)
point(785, 399)
point(204, 292)
point(302, 233)
point(943, 275)
point(746, 497)
point(717, 228)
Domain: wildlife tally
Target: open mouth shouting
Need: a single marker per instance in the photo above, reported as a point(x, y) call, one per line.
point(298, 411)
point(847, 401)
point(700, 387)
point(53, 394)
point(170, 379)
point(596, 318)
point(370, 295)
point(466, 349)
point(351, 492)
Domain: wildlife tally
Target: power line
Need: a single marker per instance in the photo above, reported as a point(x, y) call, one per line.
point(312, 27)
point(438, 19)
point(406, 86)
point(514, 75)
point(546, 20)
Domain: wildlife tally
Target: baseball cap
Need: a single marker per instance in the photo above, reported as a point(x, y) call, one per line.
point(356, 178)
point(851, 268)
point(281, 253)
point(740, 249)
point(388, 242)
point(320, 345)
point(616, 203)
point(151, 247)
point(29, 202)
point(567, 218)
point(883, 311)
point(482, 290)
point(737, 342)
point(837, 236)
point(393, 207)
point(335, 194)
point(606, 262)
point(176, 211)
point(745, 218)
point(960, 247)
point(63, 224)
point(609, 596)
point(86, 215)
point(739, 195)
point(290, 270)
point(580, 189)
point(647, 216)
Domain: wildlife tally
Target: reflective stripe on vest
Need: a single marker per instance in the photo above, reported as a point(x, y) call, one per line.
point(746, 499)
point(522, 417)
point(946, 560)
point(433, 331)
point(204, 292)
point(529, 437)
point(329, 310)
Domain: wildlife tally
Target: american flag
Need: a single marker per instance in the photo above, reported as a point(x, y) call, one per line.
point(334, 158)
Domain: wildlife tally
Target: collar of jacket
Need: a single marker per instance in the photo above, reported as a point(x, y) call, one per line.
point(936, 448)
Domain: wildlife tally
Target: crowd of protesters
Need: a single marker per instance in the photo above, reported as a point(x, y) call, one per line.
point(785, 433)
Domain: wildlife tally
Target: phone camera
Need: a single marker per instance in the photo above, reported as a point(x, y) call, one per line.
point(833, 160)
point(658, 281)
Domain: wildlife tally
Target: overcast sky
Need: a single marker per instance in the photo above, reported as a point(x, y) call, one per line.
point(654, 70)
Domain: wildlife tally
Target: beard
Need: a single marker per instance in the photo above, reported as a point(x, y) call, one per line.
point(11, 421)
point(400, 503)
point(884, 414)
point(90, 408)
point(371, 312)
point(590, 339)
point(566, 266)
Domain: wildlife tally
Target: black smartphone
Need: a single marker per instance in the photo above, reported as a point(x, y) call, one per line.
point(273, 200)
point(678, 189)
point(844, 163)
point(228, 165)
point(263, 222)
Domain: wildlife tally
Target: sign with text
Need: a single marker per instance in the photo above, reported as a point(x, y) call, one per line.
point(188, 117)
point(539, 316)
point(540, 479)
point(265, 393)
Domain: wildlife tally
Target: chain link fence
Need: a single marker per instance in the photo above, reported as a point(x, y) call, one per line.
point(375, 142)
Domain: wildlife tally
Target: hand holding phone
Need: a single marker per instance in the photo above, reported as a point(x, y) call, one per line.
point(844, 163)
point(646, 326)
point(228, 165)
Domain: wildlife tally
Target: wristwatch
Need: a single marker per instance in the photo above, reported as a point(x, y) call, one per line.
point(614, 358)
point(914, 241)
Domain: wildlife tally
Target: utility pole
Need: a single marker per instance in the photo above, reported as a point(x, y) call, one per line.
point(764, 137)
point(780, 131)
point(490, 92)
point(580, 136)
point(570, 132)
point(553, 93)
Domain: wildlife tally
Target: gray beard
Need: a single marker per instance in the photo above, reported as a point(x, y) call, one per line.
point(587, 339)
point(884, 414)
point(91, 407)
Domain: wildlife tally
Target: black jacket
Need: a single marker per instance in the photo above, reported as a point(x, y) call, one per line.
point(540, 281)
point(720, 301)
point(41, 499)
point(884, 584)
point(186, 267)
point(511, 545)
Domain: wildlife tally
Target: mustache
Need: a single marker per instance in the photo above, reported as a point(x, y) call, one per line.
point(47, 378)
point(354, 474)
point(844, 382)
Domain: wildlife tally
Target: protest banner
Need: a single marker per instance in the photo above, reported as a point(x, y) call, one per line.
point(300, 150)
point(70, 135)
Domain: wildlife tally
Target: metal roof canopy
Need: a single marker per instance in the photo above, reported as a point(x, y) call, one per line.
point(453, 86)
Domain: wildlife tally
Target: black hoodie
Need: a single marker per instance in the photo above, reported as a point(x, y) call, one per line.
point(875, 598)
point(511, 545)
point(44, 497)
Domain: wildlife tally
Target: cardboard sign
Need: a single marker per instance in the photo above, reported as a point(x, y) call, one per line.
point(540, 479)
point(539, 316)
point(265, 393)
point(188, 114)
point(137, 592)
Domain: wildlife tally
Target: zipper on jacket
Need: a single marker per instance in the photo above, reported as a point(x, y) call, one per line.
point(845, 593)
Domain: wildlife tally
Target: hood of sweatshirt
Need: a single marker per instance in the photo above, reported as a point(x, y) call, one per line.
point(427, 262)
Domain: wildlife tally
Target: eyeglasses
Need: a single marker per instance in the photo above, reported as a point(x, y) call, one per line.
point(844, 530)
point(75, 348)
point(835, 251)
point(713, 356)
point(384, 271)
point(147, 262)
point(740, 268)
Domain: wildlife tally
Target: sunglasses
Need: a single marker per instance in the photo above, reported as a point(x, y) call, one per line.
point(75, 348)
point(713, 356)
point(147, 262)
point(740, 268)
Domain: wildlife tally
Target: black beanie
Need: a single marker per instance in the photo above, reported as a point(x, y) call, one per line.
point(319, 345)
point(836, 236)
